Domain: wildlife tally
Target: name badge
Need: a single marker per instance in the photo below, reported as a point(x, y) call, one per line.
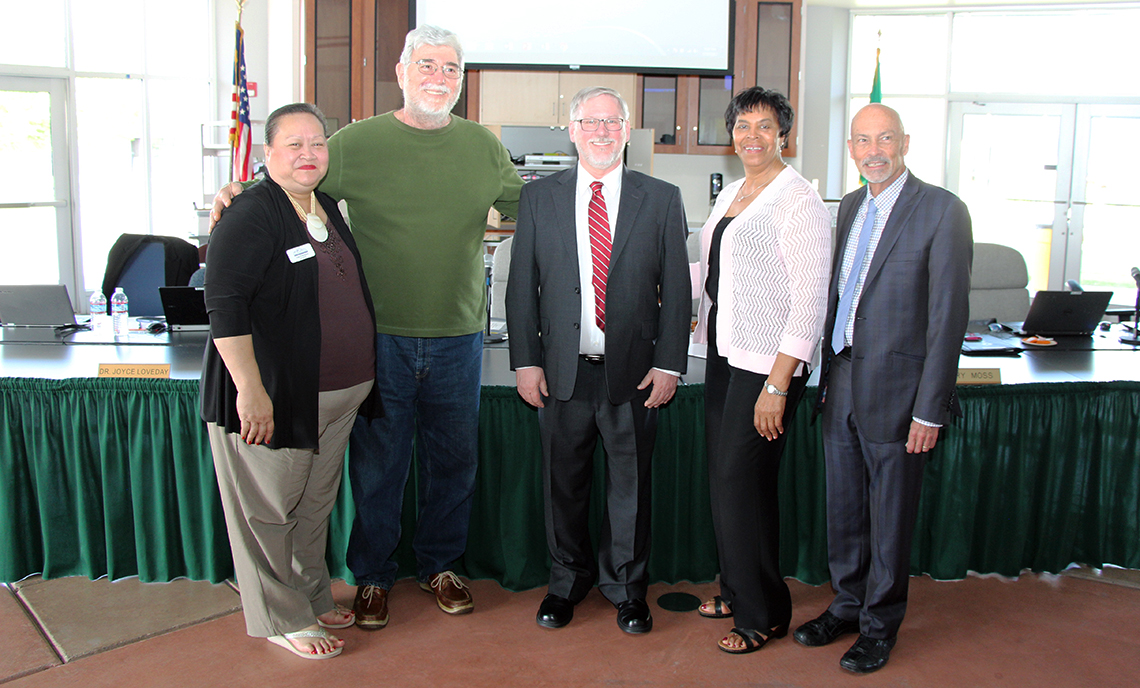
point(299, 253)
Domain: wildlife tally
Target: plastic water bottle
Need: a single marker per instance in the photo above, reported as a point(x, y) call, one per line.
point(119, 311)
point(97, 309)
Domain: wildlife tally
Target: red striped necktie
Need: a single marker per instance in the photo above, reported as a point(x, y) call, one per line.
point(600, 245)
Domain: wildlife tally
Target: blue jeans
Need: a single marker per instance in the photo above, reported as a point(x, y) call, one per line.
point(430, 388)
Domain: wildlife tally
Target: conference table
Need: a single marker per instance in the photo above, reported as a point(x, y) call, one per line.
point(113, 476)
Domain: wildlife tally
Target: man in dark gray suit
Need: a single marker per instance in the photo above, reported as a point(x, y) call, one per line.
point(897, 310)
point(599, 325)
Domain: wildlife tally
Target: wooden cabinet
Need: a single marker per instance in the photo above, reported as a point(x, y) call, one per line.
point(569, 83)
point(351, 51)
point(543, 98)
point(518, 98)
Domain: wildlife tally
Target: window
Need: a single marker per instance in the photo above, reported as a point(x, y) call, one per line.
point(139, 85)
point(1026, 115)
point(1075, 53)
point(913, 55)
point(33, 48)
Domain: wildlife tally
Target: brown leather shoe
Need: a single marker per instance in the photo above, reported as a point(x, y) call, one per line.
point(371, 607)
point(451, 595)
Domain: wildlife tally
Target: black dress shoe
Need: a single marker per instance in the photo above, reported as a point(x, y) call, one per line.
point(867, 655)
point(633, 616)
point(554, 612)
point(824, 629)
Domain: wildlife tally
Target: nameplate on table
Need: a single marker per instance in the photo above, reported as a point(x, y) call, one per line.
point(979, 376)
point(145, 370)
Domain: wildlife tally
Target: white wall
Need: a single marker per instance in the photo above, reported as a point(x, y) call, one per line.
point(691, 174)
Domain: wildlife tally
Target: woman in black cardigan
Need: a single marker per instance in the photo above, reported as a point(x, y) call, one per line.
point(289, 361)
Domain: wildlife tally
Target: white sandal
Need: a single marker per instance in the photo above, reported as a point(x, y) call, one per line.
point(283, 641)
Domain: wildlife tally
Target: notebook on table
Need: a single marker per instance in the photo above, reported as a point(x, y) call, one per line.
point(185, 308)
point(1060, 313)
point(36, 305)
point(991, 344)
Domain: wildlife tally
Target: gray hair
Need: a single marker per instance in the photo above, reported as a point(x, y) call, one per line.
point(271, 123)
point(589, 92)
point(430, 35)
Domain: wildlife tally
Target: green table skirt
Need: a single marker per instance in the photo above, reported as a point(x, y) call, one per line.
point(111, 477)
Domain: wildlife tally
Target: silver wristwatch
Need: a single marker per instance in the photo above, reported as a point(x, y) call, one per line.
point(771, 389)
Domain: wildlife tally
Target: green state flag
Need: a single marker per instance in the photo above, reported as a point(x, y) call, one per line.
point(876, 96)
point(876, 86)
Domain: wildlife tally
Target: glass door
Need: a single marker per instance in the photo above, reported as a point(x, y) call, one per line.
point(1012, 165)
point(1105, 222)
point(1056, 182)
point(35, 214)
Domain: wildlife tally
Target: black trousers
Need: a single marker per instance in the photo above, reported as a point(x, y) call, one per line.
point(743, 485)
point(570, 431)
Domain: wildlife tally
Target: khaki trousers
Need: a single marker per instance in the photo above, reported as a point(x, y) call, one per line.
point(277, 504)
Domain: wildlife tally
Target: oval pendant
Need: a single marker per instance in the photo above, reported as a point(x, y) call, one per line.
point(317, 228)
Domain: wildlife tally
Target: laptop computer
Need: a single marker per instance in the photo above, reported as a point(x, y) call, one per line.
point(185, 308)
point(1065, 312)
point(36, 305)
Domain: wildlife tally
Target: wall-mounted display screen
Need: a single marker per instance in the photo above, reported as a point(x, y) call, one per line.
point(644, 36)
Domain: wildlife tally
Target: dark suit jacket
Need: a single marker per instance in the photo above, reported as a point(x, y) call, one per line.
point(648, 306)
point(912, 313)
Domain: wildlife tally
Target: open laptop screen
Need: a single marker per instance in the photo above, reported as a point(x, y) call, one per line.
point(36, 305)
point(185, 308)
point(1065, 312)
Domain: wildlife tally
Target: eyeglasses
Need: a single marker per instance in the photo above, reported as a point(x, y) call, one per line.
point(429, 67)
point(591, 124)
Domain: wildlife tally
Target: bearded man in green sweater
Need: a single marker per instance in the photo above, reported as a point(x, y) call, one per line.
point(418, 183)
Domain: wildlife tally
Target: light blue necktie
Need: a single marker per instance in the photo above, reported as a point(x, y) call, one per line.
point(843, 312)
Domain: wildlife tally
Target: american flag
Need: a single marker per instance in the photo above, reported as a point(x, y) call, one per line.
point(240, 137)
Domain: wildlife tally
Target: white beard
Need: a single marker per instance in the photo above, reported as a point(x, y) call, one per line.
point(881, 174)
point(419, 110)
point(595, 158)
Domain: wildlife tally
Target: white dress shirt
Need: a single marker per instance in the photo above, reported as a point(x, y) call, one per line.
point(593, 339)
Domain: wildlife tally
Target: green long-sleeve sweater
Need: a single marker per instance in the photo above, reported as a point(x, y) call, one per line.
point(417, 205)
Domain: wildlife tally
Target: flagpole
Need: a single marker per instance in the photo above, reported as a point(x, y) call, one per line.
point(876, 89)
point(234, 94)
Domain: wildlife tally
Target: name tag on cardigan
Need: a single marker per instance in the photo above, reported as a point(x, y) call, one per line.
point(299, 253)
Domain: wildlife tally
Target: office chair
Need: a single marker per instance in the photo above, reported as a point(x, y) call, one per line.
point(500, 271)
point(141, 263)
point(998, 284)
point(693, 247)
